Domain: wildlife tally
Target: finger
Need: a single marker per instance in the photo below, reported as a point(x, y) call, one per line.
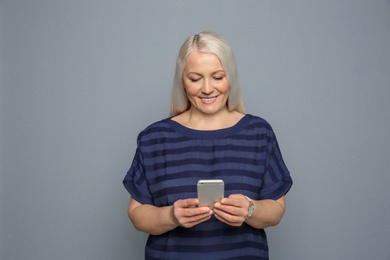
point(194, 223)
point(193, 212)
point(236, 196)
point(228, 210)
point(236, 200)
point(187, 203)
point(229, 219)
point(231, 202)
point(196, 219)
point(186, 215)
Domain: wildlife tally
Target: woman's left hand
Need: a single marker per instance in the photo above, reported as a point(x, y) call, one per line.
point(232, 210)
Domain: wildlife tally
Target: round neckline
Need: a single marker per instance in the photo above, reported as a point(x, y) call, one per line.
point(205, 134)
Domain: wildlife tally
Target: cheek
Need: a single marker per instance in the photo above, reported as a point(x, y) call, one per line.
point(190, 89)
point(225, 88)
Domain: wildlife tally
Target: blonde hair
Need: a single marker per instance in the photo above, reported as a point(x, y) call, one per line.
point(211, 43)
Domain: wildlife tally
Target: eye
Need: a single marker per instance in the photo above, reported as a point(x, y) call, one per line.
point(218, 78)
point(194, 79)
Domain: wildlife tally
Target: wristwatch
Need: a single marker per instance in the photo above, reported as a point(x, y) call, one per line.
point(251, 207)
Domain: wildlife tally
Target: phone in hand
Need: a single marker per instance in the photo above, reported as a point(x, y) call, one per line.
point(210, 191)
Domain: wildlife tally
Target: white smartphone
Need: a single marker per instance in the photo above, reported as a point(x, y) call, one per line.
point(210, 191)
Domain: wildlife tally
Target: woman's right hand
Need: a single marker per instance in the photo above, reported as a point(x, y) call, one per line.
point(186, 213)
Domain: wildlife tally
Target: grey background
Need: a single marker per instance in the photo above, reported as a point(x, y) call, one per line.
point(80, 79)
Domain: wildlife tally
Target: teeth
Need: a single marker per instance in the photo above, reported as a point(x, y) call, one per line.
point(208, 99)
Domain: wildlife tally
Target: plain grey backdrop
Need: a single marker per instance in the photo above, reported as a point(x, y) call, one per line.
point(81, 78)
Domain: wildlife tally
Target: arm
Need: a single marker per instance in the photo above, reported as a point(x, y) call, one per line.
point(234, 209)
point(269, 213)
point(158, 220)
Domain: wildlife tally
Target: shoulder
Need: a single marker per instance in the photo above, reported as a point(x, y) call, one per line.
point(260, 128)
point(258, 122)
point(156, 130)
point(157, 125)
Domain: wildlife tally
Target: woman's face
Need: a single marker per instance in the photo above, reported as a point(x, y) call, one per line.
point(205, 82)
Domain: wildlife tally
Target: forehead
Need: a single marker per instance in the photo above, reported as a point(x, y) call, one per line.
point(202, 61)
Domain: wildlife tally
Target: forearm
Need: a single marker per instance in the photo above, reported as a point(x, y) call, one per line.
point(152, 220)
point(267, 213)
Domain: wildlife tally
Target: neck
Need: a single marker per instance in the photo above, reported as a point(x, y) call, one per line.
point(220, 120)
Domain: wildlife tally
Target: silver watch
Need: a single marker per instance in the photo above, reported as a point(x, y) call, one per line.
point(251, 207)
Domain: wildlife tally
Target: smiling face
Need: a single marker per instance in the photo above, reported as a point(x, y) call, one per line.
point(205, 82)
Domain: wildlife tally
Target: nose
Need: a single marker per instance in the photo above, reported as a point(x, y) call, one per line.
point(207, 87)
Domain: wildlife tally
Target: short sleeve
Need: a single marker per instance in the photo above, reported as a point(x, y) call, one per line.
point(277, 180)
point(135, 180)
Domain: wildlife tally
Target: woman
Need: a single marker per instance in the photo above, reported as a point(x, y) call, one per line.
point(208, 136)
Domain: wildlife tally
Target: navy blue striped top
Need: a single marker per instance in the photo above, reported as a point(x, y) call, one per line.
point(171, 158)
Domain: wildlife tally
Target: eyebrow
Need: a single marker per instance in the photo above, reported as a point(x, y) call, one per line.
point(218, 71)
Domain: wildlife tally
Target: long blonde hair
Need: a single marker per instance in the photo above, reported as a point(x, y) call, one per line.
point(211, 43)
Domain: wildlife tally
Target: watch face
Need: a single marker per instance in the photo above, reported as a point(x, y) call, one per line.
point(250, 209)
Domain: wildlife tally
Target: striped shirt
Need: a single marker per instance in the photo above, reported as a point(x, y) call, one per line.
point(171, 158)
